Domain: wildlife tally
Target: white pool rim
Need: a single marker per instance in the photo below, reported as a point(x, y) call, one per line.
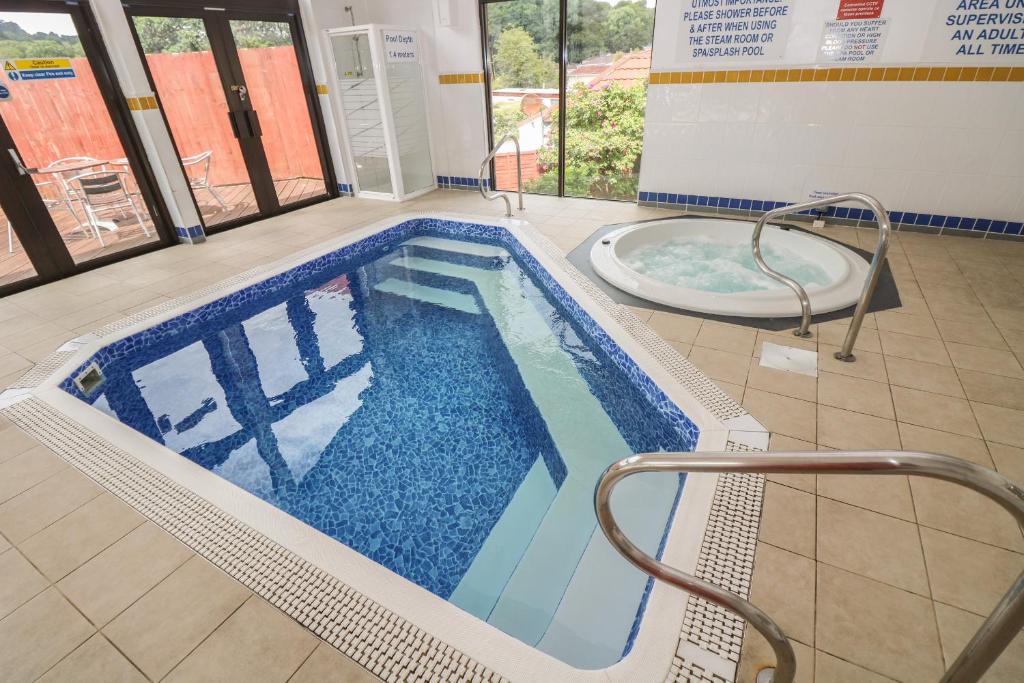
point(845, 267)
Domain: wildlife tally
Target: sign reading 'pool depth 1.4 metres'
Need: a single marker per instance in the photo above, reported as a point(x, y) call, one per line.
point(400, 46)
point(725, 30)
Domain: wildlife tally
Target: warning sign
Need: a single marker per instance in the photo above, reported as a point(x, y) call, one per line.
point(859, 9)
point(5, 94)
point(857, 40)
point(38, 69)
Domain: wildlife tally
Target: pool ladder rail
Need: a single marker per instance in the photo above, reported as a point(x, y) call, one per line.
point(519, 174)
point(995, 634)
point(884, 229)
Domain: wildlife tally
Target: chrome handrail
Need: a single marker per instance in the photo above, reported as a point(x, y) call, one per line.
point(884, 228)
point(519, 174)
point(988, 643)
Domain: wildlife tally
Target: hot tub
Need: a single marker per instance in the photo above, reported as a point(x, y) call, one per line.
point(706, 265)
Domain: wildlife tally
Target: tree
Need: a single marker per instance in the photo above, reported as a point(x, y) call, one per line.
point(604, 137)
point(518, 65)
point(506, 120)
point(630, 26)
point(17, 42)
point(171, 34)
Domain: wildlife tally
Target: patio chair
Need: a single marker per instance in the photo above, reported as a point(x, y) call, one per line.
point(104, 191)
point(69, 194)
point(201, 179)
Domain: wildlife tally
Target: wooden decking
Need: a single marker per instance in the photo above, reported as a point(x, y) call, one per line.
point(240, 201)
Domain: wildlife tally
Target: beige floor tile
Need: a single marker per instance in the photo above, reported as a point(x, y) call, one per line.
point(39, 634)
point(673, 326)
point(804, 482)
point(168, 622)
point(683, 349)
point(1007, 318)
point(24, 471)
point(781, 414)
point(721, 365)
point(327, 664)
point(847, 430)
point(967, 574)
point(870, 544)
point(66, 544)
point(45, 503)
point(19, 581)
point(877, 626)
point(1009, 461)
point(984, 360)
point(783, 586)
point(257, 642)
point(834, 334)
point(957, 627)
point(734, 390)
point(852, 393)
point(1002, 425)
point(961, 312)
point(914, 348)
point(792, 384)
point(914, 305)
point(975, 333)
point(732, 338)
point(757, 654)
point(866, 366)
point(889, 495)
point(995, 389)
point(944, 413)
point(787, 519)
point(829, 669)
point(906, 323)
point(936, 379)
point(121, 574)
point(95, 660)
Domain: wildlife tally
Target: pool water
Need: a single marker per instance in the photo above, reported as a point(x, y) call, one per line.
point(432, 405)
point(715, 265)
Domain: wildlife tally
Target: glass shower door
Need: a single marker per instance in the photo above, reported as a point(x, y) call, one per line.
point(408, 110)
point(357, 84)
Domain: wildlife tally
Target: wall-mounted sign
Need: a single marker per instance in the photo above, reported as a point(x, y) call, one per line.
point(726, 30)
point(400, 46)
point(981, 31)
point(859, 9)
point(5, 94)
point(38, 69)
point(851, 41)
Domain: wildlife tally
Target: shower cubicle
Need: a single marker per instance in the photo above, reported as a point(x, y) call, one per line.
point(378, 87)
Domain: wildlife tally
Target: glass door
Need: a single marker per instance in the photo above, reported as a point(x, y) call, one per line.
point(569, 77)
point(77, 188)
point(236, 93)
point(361, 103)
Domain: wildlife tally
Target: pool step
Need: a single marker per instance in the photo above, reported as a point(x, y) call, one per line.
point(585, 436)
point(494, 563)
point(458, 246)
point(430, 295)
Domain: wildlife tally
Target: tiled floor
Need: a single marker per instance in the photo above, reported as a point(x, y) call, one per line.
point(874, 578)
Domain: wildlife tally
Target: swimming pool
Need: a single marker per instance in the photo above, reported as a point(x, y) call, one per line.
point(426, 401)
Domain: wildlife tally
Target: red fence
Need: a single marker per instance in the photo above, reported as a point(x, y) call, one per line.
point(53, 119)
point(505, 169)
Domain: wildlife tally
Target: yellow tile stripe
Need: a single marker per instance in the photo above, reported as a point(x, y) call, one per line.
point(874, 73)
point(141, 103)
point(321, 89)
point(458, 79)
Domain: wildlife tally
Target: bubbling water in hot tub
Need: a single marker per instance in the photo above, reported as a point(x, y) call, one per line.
point(714, 265)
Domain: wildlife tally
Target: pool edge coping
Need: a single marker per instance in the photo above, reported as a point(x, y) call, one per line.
point(717, 644)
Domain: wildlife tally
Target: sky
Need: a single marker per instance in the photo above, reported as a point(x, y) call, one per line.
point(36, 22)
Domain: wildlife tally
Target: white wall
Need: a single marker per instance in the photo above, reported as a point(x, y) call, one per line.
point(949, 148)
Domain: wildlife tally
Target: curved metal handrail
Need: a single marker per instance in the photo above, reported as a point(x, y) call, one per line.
point(519, 174)
point(988, 643)
point(884, 228)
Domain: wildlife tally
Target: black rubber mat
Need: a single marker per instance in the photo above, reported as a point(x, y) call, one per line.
point(886, 294)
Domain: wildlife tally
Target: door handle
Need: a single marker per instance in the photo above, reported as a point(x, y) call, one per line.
point(17, 162)
point(241, 91)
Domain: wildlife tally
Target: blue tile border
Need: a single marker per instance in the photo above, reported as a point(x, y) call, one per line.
point(842, 214)
point(192, 235)
point(450, 182)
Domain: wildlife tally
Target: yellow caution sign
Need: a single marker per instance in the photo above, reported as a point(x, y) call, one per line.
point(22, 64)
point(8, 66)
